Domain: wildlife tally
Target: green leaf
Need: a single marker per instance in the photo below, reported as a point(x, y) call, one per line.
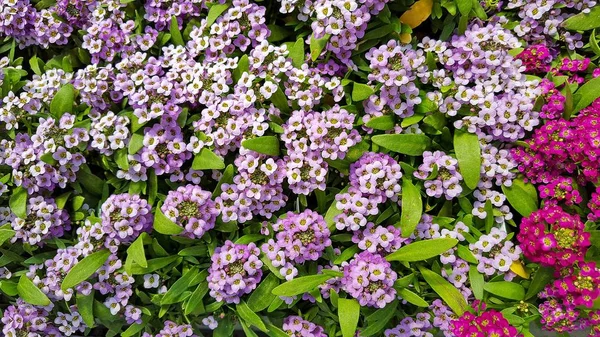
point(412, 207)
point(35, 65)
point(385, 122)
point(194, 302)
point(154, 265)
point(300, 285)
point(422, 250)
point(85, 268)
point(297, 53)
point(378, 320)
point(348, 313)
point(243, 67)
point(268, 145)
point(90, 182)
point(250, 317)
point(587, 93)
point(361, 91)
point(412, 298)
point(85, 307)
point(409, 144)
point(476, 279)
point(135, 328)
point(521, 196)
point(207, 160)
point(568, 107)
point(214, 12)
point(6, 234)
point(176, 36)
point(333, 211)
point(122, 160)
point(583, 21)
point(468, 154)
point(172, 295)
point(594, 43)
point(279, 99)
point(453, 298)
point(261, 298)
point(276, 332)
point(18, 202)
point(226, 178)
point(63, 101)
point(505, 289)
point(466, 254)
point(247, 330)
point(136, 253)
point(164, 225)
point(136, 143)
point(464, 6)
point(317, 46)
point(30, 293)
point(541, 278)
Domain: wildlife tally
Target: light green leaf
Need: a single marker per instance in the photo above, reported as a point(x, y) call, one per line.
point(164, 225)
point(453, 298)
point(521, 196)
point(361, 91)
point(268, 145)
point(584, 21)
point(476, 280)
point(317, 46)
point(333, 211)
point(85, 268)
point(300, 285)
point(18, 202)
point(385, 122)
point(173, 294)
point(136, 253)
point(261, 298)
point(63, 101)
point(468, 154)
point(214, 12)
point(505, 289)
point(587, 93)
point(226, 178)
point(207, 160)
point(348, 313)
point(409, 144)
point(464, 6)
point(297, 53)
point(422, 250)
point(243, 67)
point(30, 293)
point(136, 143)
point(412, 298)
point(176, 36)
point(85, 307)
point(246, 314)
point(6, 234)
point(412, 207)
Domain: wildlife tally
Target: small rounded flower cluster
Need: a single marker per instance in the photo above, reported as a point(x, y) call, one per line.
point(70, 323)
point(295, 326)
point(536, 59)
point(255, 190)
point(47, 159)
point(298, 238)
point(553, 237)
point(164, 148)
point(172, 329)
point(540, 21)
point(480, 78)
point(309, 84)
point(97, 89)
point(409, 327)
point(24, 319)
point(483, 323)
point(355, 209)
point(495, 254)
point(397, 67)
point(379, 239)
point(77, 13)
point(443, 317)
point(378, 175)
point(561, 316)
point(369, 278)
point(446, 178)
point(192, 208)
point(576, 285)
point(125, 217)
point(234, 272)
point(44, 221)
point(109, 133)
point(160, 12)
point(109, 33)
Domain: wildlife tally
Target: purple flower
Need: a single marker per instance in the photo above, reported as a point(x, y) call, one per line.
point(191, 207)
point(125, 217)
point(370, 279)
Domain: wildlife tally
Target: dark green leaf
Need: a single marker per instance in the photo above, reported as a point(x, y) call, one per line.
point(176, 36)
point(154, 265)
point(453, 298)
point(85, 307)
point(378, 320)
point(6, 234)
point(261, 298)
point(243, 67)
point(468, 154)
point(30, 293)
point(268, 145)
point(85, 268)
point(90, 182)
point(541, 278)
point(464, 6)
point(412, 207)
point(409, 144)
point(587, 93)
point(422, 250)
point(173, 294)
point(246, 314)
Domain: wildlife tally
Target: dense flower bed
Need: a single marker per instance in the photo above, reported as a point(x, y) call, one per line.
point(299, 168)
